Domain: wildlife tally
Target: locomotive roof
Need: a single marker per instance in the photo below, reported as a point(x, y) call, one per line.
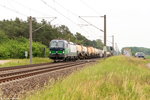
point(59, 40)
point(63, 41)
point(71, 42)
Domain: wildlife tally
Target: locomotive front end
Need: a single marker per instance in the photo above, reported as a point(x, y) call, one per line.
point(57, 49)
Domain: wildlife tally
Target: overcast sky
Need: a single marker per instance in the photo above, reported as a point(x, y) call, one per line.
point(127, 20)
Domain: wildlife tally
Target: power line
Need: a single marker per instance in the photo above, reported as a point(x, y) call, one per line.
point(84, 30)
point(29, 7)
point(96, 26)
point(81, 18)
point(43, 25)
point(13, 10)
point(75, 15)
point(62, 14)
point(91, 24)
point(87, 5)
point(108, 41)
point(66, 9)
point(79, 25)
point(25, 7)
point(57, 11)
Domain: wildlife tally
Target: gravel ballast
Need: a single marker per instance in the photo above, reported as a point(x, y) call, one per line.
point(14, 89)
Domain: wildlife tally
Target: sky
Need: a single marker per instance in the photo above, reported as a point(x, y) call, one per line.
point(127, 20)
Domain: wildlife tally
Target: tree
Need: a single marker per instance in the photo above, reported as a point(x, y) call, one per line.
point(99, 44)
point(3, 36)
point(18, 28)
point(139, 49)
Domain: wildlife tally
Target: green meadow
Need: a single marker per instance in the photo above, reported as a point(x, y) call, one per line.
point(147, 57)
point(114, 78)
point(17, 62)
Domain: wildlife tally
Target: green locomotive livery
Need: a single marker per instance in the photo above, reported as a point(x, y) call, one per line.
point(62, 50)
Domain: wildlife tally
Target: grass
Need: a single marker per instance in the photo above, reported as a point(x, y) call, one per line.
point(16, 62)
point(115, 78)
point(147, 57)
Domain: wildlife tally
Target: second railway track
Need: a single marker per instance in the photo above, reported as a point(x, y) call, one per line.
point(10, 76)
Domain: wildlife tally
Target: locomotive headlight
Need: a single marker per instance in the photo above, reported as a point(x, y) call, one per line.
point(63, 52)
point(49, 51)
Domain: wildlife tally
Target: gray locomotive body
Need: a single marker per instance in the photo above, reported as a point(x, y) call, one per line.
point(64, 50)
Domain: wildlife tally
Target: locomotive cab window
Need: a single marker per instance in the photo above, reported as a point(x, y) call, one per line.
point(57, 44)
point(61, 44)
point(53, 44)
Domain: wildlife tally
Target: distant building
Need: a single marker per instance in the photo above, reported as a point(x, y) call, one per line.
point(127, 52)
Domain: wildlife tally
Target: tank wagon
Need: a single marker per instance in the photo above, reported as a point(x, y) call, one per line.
point(65, 51)
point(81, 51)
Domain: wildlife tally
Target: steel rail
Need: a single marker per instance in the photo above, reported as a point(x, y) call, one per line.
point(26, 66)
point(36, 69)
point(14, 77)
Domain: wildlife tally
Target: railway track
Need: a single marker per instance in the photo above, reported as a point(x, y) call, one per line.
point(20, 72)
point(24, 66)
point(34, 65)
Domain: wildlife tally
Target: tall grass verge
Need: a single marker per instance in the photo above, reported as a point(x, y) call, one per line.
point(17, 62)
point(115, 78)
point(147, 57)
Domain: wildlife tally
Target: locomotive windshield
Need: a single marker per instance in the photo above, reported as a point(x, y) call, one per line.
point(57, 44)
point(53, 44)
point(60, 44)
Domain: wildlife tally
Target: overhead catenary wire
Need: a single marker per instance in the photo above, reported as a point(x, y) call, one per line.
point(74, 14)
point(88, 6)
point(110, 42)
point(66, 9)
point(91, 24)
point(13, 10)
point(51, 7)
point(58, 11)
point(84, 30)
point(43, 25)
point(35, 10)
point(52, 18)
point(48, 6)
point(16, 11)
point(92, 16)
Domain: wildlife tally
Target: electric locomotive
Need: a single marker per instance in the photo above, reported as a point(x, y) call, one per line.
point(62, 50)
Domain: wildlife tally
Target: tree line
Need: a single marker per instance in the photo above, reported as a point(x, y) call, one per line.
point(18, 29)
point(139, 49)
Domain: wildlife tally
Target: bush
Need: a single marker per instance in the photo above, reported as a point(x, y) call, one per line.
point(3, 36)
point(16, 48)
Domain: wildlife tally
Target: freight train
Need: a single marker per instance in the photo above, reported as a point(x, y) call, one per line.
point(65, 51)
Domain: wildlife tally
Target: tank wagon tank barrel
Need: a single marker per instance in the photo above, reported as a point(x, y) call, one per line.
point(62, 50)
